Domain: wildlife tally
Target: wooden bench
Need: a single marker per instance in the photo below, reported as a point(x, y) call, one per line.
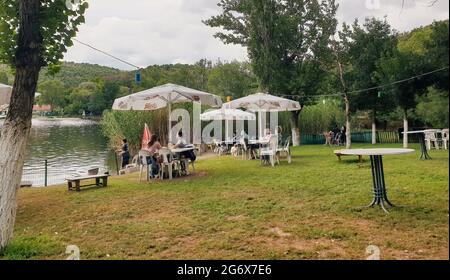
point(339, 155)
point(74, 183)
point(26, 184)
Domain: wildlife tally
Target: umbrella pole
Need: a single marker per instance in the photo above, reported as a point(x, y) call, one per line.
point(260, 125)
point(170, 121)
point(226, 131)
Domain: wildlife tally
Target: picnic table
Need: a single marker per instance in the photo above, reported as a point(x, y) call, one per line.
point(74, 183)
point(376, 160)
point(423, 147)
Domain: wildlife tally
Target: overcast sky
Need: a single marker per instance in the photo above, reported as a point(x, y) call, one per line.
point(147, 32)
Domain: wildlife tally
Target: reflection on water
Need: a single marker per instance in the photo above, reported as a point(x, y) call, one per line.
point(71, 146)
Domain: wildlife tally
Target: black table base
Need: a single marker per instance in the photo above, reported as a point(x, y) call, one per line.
point(379, 184)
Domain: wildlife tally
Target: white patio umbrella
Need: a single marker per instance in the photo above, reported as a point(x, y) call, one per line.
point(227, 115)
point(263, 102)
point(164, 96)
point(5, 94)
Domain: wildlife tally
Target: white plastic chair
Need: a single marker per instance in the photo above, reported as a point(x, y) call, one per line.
point(430, 138)
point(445, 138)
point(168, 165)
point(243, 148)
point(286, 149)
point(142, 158)
point(270, 152)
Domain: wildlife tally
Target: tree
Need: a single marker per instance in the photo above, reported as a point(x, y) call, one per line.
point(35, 33)
point(404, 65)
point(285, 40)
point(437, 51)
point(103, 96)
point(418, 52)
point(341, 59)
point(82, 98)
point(233, 79)
point(433, 108)
point(53, 94)
point(367, 44)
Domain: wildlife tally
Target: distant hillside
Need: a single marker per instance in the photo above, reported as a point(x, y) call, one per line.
point(72, 74)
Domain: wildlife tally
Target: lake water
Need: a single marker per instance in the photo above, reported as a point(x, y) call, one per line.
point(71, 146)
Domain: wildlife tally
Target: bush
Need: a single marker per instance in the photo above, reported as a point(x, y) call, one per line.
point(117, 125)
point(322, 117)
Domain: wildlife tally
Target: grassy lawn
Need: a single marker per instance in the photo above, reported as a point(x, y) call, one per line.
point(235, 209)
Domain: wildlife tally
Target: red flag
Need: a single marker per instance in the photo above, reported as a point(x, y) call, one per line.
point(146, 137)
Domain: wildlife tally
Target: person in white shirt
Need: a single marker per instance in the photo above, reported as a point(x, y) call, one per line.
point(267, 135)
point(181, 142)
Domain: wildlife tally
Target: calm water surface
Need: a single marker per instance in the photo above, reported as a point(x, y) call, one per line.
point(71, 146)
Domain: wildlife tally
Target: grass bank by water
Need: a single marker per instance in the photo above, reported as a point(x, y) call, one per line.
point(235, 209)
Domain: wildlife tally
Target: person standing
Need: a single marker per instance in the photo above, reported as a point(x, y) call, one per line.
point(125, 153)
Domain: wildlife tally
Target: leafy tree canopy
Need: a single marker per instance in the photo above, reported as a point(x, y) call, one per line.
point(58, 24)
point(285, 40)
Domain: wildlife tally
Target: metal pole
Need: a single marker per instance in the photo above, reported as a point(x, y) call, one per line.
point(46, 173)
point(170, 118)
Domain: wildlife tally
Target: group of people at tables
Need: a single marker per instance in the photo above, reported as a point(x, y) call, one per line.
point(252, 145)
point(154, 160)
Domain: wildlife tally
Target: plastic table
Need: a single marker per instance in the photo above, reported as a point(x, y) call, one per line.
point(376, 159)
point(423, 147)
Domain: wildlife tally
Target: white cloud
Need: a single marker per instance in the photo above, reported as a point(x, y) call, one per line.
point(147, 32)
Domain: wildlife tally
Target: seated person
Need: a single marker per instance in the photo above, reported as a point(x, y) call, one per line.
point(153, 147)
point(182, 143)
point(267, 135)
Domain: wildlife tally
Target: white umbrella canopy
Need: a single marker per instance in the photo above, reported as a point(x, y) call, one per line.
point(163, 96)
point(226, 114)
point(263, 102)
point(5, 94)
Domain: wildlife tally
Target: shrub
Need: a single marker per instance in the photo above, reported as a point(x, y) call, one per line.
point(117, 125)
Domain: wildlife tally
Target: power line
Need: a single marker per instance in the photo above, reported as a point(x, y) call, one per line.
point(373, 88)
point(400, 81)
point(107, 54)
point(325, 95)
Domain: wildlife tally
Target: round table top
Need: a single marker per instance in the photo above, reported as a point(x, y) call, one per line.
point(376, 152)
point(422, 131)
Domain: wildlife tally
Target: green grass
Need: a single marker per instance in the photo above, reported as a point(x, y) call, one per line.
point(235, 209)
point(29, 247)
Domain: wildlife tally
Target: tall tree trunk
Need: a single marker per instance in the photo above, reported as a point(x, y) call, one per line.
point(374, 127)
point(295, 128)
point(348, 133)
point(17, 125)
point(405, 129)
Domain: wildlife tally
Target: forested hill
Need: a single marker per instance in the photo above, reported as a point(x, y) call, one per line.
point(72, 74)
